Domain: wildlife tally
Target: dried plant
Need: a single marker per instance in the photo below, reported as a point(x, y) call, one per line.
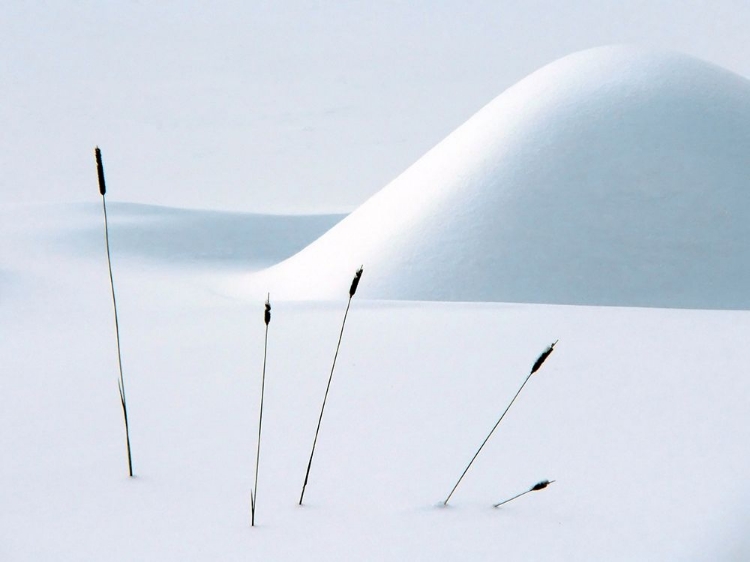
point(120, 380)
point(352, 291)
point(254, 491)
point(535, 488)
point(537, 365)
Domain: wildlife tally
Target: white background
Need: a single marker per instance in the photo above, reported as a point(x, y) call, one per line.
point(286, 106)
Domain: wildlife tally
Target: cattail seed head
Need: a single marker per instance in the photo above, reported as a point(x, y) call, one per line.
point(541, 485)
point(542, 358)
point(267, 314)
point(100, 170)
point(355, 282)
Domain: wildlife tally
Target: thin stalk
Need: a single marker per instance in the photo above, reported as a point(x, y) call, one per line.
point(485, 440)
point(511, 499)
point(254, 492)
point(121, 380)
point(325, 399)
point(352, 292)
point(534, 369)
point(536, 487)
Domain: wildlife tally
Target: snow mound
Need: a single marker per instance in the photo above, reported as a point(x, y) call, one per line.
point(614, 176)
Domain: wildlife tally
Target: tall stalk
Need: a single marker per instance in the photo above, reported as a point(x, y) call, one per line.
point(254, 492)
point(120, 380)
point(352, 291)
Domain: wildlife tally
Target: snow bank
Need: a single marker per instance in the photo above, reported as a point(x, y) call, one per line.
point(614, 176)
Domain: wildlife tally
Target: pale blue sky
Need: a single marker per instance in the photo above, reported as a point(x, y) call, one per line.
point(286, 106)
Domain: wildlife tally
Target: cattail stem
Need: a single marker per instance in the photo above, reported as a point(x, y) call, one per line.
point(352, 291)
point(120, 380)
point(254, 492)
point(511, 499)
point(325, 399)
point(536, 487)
point(485, 441)
point(537, 364)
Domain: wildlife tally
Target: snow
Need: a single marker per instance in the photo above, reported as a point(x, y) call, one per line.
point(614, 176)
point(639, 415)
point(180, 237)
point(287, 106)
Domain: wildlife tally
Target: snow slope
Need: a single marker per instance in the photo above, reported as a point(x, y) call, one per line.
point(614, 176)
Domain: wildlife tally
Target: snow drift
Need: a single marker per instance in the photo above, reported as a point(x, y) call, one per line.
point(614, 176)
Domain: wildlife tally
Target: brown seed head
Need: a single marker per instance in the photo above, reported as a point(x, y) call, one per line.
point(541, 485)
point(541, 359)
point(100, 170)
point(355, 282)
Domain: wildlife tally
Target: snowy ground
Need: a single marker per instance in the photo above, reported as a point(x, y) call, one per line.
point(640, 415)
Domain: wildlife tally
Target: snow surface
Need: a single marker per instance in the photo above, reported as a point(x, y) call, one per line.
point(640, 415)
point(614, 176)
point(158, 235)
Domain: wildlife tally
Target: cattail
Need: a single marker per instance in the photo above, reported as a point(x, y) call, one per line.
point(100, 171)
point(120, 380)
point(537, 364)
point(254, 491)
point(355, 282)
point(352, 291)
point(542, 358)
point(535, 488)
